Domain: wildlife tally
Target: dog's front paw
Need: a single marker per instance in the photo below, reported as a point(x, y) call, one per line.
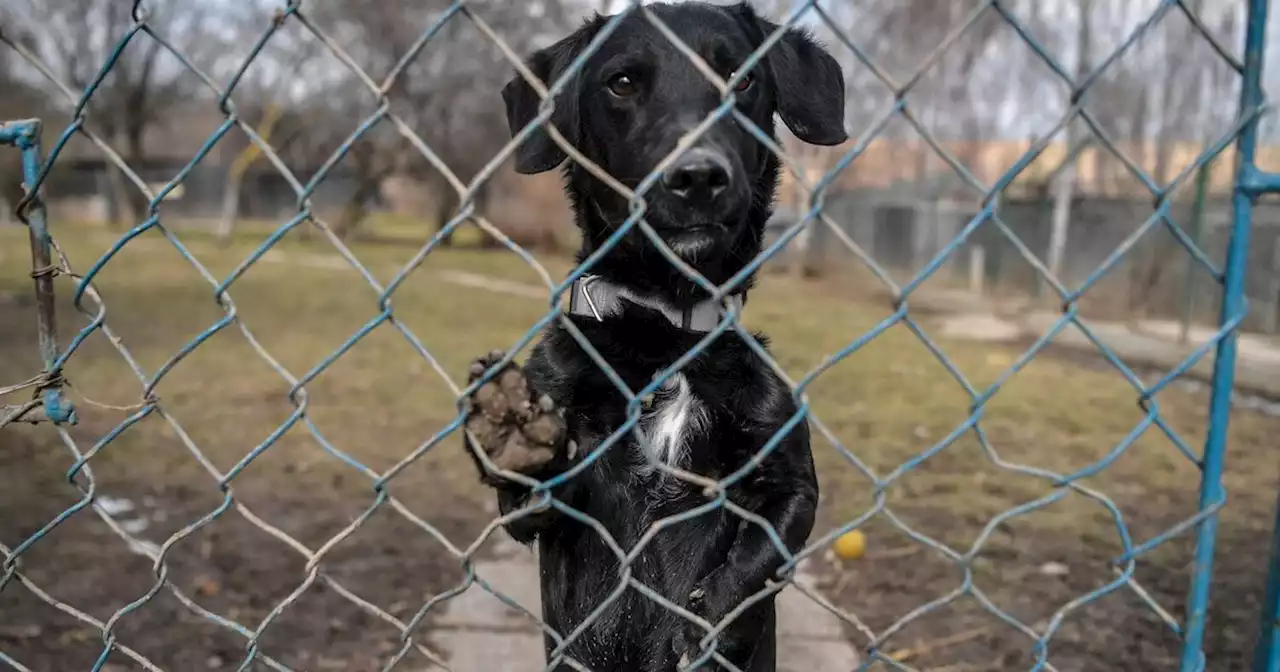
point(688, 637)
point(519, 429)
point(686, 648)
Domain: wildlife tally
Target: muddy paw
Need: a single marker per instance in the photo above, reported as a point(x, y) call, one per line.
point(518, 428)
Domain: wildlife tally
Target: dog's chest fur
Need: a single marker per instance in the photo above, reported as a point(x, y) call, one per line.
point(675, 417)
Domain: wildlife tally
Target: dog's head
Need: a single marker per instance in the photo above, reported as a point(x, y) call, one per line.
point(632, 100)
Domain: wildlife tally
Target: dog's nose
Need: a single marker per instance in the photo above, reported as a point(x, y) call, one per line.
point(699, 175)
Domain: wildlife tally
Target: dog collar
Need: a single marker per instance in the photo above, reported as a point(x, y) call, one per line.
point(593, 296)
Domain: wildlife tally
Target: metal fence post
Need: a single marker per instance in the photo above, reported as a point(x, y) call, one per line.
point(1250, 182)
point(52, 406)
point(1267, 656)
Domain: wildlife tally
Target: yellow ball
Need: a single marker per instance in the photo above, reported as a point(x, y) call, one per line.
point(850, 545)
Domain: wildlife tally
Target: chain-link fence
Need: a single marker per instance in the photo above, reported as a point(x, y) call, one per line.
point(1143, 287)
point(49, 402)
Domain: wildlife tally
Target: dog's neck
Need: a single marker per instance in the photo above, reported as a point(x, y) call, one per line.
point(598, 298)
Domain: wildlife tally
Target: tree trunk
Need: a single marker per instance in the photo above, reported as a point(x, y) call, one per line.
point(354, 212)
point(487, 242)
point(446, 203)
point(230, 207)
point(1160, 245)
point(134, 200)
point(117, 198)
point(805, 265)
point(11, 191)
point(1065, 186)
point(1063, 192)
point(1149, 260)
point(236, 172)
point(368, 174)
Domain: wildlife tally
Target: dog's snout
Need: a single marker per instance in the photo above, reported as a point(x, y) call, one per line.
point(700, 175)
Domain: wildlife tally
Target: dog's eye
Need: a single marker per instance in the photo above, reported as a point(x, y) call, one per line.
point(745, 83)
point(622, 86)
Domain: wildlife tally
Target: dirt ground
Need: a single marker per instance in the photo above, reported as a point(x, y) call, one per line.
point(1043, 574)
point(888, 403)
point(232, 569)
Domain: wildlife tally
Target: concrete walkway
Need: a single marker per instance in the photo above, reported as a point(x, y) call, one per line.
point(1150, 344)
point(1154, 344)
point(478, 633)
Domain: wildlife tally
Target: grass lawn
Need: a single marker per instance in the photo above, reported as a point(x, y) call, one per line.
point(886, 404)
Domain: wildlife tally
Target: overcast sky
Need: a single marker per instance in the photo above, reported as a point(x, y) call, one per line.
point(1016, 116)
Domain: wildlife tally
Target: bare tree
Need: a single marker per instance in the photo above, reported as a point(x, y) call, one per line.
point(1179, 107)
point(1165, 90)
point(145, 84)
point(1064, 187)
point(19, 101)
point(266, 100)
point(448, 94)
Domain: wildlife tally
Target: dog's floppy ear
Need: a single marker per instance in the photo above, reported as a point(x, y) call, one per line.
point(539, 153)
point(808, 83)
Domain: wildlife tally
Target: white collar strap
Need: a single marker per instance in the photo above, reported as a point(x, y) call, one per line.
point(595, 297)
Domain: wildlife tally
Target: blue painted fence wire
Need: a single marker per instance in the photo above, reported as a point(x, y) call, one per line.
point(50, 405)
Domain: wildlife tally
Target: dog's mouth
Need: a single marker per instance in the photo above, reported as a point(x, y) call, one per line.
point(663, 224)
point(690, 241)
point(699, 229)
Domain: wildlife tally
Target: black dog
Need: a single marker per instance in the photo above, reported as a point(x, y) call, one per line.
point(625, 110)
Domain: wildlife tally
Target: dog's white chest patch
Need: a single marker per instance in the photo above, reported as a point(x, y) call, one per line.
point(675, 416)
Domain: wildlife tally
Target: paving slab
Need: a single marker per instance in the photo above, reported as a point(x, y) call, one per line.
point(477, 632)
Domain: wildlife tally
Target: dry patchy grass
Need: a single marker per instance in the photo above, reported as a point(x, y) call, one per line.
point(887, 403)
